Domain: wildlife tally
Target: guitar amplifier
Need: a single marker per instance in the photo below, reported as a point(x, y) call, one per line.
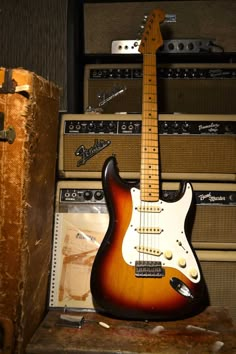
point(191, 146)
point(183, 88)
point(105, 22)
point(76, 239)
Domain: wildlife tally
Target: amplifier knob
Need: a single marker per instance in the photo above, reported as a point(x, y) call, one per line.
point(185, 127)
point(165, 127)
point(175, 126)
point(170, 73)
point(180, 46)
point(190, 46)
point(177, 73)
point(111, 126)
point(171, 46)
point(91, 126)
point(118, 73)
point(101, 126)
point(98, 195)
point(228, 128)
point(88, 195)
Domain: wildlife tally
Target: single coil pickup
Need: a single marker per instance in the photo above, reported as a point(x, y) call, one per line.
point(149, 230)
point(146, 250)
point(149, 209)
point(149, 269)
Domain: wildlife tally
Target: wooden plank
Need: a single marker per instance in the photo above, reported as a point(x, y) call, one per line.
point(211, 331)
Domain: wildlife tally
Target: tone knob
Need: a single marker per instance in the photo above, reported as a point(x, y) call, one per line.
point(182, 262)
point(168, 254)
point(193, 273)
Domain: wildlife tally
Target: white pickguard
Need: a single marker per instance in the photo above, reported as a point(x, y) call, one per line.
point(156, 233)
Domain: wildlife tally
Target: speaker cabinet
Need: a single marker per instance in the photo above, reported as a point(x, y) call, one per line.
point(219, 268)
point(182, 88)
point(191, 146)
point(76, 239)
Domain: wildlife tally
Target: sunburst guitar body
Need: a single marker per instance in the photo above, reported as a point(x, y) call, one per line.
point(145, 267)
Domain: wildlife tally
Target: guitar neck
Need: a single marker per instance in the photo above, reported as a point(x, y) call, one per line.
point(149, 178)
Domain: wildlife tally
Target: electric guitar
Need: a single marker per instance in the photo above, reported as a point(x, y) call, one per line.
point(145, 267)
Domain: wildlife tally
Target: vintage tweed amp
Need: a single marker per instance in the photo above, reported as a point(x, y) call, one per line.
point(183, 88)
point(76, 239)
point(195, 147)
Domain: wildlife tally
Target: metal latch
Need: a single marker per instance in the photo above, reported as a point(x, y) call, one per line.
point(8, 134)
point(9, 84)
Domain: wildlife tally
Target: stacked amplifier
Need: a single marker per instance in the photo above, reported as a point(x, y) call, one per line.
point(195, 146)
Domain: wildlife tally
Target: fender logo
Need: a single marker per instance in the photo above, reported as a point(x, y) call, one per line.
point(211, 128)
point(86, 154)
point(211, 198)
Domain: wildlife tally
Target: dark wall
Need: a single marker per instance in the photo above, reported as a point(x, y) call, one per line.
point(33, 35)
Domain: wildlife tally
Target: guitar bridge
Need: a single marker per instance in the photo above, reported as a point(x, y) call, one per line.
point(149, 269)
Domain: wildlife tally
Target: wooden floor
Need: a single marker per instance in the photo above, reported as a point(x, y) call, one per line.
point(212, 331)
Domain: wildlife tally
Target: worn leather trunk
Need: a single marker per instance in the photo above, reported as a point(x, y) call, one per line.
point(29, 108)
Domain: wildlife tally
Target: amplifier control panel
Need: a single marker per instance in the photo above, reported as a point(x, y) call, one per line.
point(212, 197)
point(73, 195)
point(134, 127)
point(172, 73)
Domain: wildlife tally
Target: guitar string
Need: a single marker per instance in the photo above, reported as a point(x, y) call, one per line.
point(148, 240)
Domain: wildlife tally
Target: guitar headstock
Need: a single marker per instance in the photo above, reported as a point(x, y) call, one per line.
point(152, 38)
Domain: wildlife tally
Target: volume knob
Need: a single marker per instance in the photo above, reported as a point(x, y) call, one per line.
point(182, 262)
point(168, 255)
point(193, 273)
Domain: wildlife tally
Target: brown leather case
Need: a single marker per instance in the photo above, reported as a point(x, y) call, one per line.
point(29, 108)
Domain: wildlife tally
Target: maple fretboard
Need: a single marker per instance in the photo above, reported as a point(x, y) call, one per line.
point(149, 178)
